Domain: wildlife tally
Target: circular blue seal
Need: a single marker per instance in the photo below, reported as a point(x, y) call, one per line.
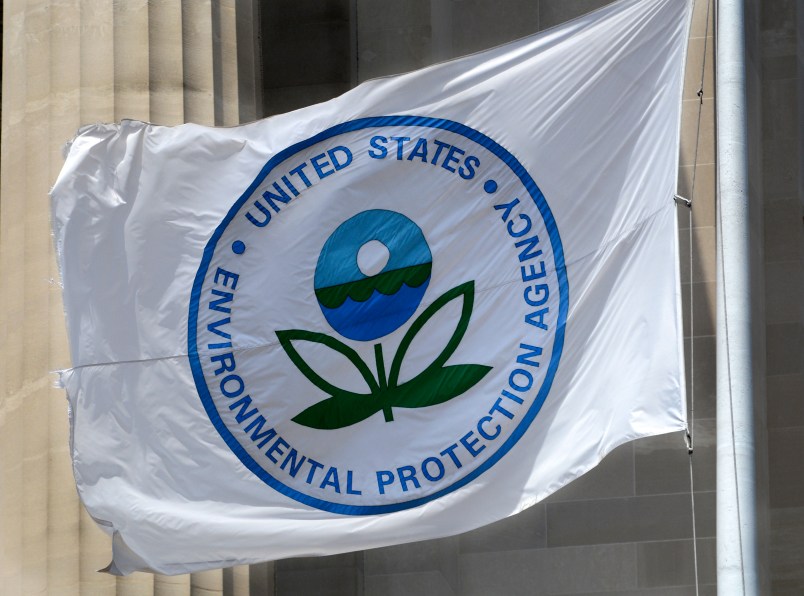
point(277, 442)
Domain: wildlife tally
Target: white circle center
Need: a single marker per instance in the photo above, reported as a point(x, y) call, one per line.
point(372, 257)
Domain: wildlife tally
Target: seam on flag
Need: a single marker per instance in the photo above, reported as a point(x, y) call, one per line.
point(241, 348)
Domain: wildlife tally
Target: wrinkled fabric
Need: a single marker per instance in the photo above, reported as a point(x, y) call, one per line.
point(146, 217)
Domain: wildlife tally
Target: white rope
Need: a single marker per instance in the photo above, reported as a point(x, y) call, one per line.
point(691, 426)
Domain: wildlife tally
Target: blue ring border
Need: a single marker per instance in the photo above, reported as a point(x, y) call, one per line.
point(558, 344)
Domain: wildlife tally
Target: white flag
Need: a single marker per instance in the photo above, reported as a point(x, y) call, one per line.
point(398, 315)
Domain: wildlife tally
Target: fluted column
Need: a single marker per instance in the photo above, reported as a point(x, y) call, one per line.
point(97, 61)
point(63, 506)
point(12, 241)
point(207, 583)
point(131, 67)
point(249, 71)
point(69, 63)
point(236, 582)
point(166, 57)
point(226, 96)
point(34, 321)
point(199, 82)
point(176, 585)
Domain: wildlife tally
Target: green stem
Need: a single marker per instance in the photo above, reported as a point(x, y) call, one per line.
point(383, 381)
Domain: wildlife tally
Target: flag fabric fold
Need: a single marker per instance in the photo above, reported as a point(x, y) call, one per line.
point(402, 314)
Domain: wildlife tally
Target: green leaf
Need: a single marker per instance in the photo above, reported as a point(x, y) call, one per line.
point(435, 386)
point(286, 339)
point(465, 291)
point(342, 409)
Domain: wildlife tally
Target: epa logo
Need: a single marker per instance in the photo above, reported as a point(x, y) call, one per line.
point(367, 305)
point(379, 318)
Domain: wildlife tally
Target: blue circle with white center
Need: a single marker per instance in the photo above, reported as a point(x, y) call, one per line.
point(368, 307)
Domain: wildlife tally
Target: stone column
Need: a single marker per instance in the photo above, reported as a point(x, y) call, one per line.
point(177, 585)
point(131, 67)
point(68, 63)
point(13, 183)
point(227, 111)
point(166, 58)
point(249, 63)
point(63, 506)
point(97, 62)
point(207, 583)
point(33, 270)
point(236, 581)
point(199, 103)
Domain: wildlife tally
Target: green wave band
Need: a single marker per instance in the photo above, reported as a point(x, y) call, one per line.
point(387, 283)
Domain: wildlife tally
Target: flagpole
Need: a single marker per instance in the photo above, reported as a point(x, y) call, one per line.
point(737, 568)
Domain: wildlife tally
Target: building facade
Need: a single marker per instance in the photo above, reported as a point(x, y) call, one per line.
point(624, 528)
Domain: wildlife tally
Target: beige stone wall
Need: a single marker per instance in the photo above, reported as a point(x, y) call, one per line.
point(67, 63)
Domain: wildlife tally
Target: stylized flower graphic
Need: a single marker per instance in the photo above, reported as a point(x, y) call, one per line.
point(365, 307)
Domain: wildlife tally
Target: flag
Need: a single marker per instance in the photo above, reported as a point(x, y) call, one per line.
point(397, 315)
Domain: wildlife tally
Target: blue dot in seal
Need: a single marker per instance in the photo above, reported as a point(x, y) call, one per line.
point(490, 186)
point(238, 247)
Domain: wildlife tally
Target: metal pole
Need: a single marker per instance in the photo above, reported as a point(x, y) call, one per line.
point(737, 568)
